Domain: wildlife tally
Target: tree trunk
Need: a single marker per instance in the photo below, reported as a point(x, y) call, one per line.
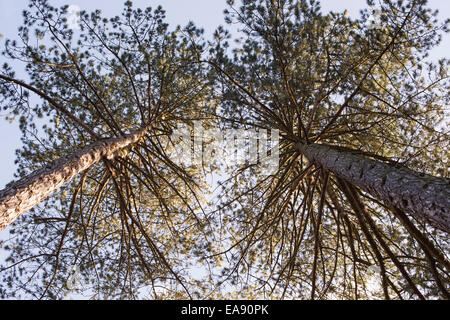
point(424, 196)
point(22, 195)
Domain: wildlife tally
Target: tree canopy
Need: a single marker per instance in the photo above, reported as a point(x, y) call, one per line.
point(140, 224)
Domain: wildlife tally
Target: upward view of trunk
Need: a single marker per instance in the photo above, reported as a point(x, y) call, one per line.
point(424, 196)
point(22, 195)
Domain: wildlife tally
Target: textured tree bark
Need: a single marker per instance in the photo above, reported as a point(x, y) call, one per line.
point(424, 196)
point(22, 195)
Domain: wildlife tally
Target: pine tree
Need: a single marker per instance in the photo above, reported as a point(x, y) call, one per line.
point(358, 208)
point(20, 196)
point(126, 216)
point(362, 180)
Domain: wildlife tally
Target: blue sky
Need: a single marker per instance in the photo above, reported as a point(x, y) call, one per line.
point(205, 13)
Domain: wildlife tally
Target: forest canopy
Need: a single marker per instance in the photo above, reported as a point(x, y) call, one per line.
point(357, 207)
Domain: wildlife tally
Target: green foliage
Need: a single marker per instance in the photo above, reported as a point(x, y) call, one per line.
point(129, 223)
point(330, 79)
point(137, 225)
